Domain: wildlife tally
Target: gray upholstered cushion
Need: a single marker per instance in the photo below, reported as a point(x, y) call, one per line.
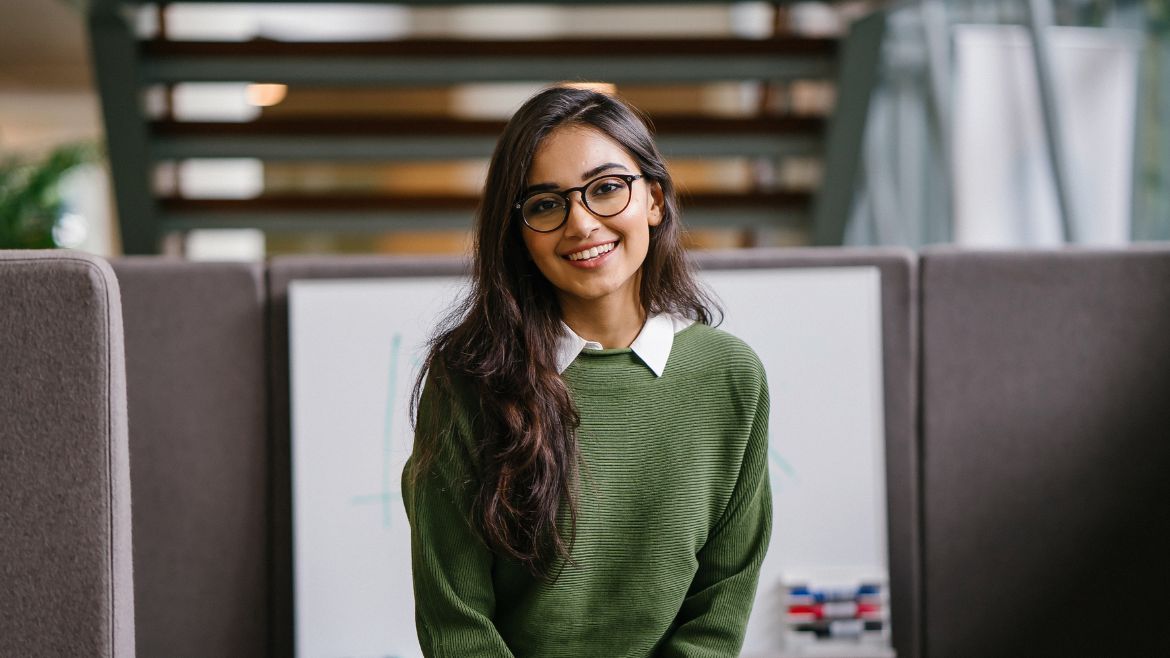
point(195, 357)
point(65, 544)
point(1046, 444)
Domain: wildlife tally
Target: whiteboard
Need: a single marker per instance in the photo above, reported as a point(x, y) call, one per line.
point(356, 345)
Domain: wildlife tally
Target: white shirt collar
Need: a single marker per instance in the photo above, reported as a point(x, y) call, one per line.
point(652, 346)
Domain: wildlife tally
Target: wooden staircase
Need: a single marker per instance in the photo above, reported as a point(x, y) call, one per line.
point(139, 142)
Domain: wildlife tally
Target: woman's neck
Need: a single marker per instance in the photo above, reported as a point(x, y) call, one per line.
point(611, 322)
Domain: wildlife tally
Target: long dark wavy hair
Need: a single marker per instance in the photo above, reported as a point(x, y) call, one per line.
point(500, 341)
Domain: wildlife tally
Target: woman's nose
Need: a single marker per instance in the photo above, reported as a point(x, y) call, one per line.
point(580, 222)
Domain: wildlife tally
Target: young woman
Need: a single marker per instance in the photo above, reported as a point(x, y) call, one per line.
point(589, 475)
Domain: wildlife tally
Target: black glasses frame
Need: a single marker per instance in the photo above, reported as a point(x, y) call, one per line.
point(564, 194)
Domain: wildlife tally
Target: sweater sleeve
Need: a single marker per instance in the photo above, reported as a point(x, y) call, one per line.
point(713, 617)
point(452, 567)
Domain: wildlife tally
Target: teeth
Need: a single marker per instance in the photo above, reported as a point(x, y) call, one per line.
point(592, 252)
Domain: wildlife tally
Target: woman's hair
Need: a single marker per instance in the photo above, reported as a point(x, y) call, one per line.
point(501, 340)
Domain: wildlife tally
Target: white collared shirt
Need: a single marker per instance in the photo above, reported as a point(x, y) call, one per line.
point(652, 346)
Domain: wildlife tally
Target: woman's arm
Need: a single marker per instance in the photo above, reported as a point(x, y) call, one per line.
point(714, 614)
point(453, 594)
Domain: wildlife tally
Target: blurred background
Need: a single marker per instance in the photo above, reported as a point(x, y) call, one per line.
point(238, 131)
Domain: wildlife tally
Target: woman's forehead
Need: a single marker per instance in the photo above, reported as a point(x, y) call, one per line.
point(568, 153)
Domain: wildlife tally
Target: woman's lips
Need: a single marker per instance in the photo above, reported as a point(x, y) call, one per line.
point(596, 261)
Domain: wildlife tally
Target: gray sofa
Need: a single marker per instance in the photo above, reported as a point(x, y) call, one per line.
point(65, 547)
point(1026, 426)
point(1045, 438)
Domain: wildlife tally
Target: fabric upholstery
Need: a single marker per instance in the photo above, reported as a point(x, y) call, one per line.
point(195, 360)
point(66, 586)
point(1046, 439)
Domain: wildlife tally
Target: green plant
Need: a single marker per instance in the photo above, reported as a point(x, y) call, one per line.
point(30, 201)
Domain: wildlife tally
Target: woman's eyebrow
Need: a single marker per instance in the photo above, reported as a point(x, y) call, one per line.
point(544, 187)
point(600, 168)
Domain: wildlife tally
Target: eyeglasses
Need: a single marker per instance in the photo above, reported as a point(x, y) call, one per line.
point(604, 196)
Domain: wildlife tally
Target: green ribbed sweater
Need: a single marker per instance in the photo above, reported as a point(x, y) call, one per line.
point(674, 517)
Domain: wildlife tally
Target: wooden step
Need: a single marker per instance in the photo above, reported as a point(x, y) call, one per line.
point(272, 203)
point(396, 126)
point(456, 2)
point(423, 138)
point(446, 3)
point(516, 48)
point(431, 61)
point(384, 212)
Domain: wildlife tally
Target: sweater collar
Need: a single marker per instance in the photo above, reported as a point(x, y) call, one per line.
point(652, 346)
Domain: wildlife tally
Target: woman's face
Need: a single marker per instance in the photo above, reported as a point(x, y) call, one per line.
point(570, 156)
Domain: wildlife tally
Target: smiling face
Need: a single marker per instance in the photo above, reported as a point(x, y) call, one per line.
point(591, 260)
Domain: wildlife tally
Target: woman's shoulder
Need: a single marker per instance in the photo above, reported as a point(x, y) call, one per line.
point(446, 416)
point(447, 397)
point(714, 340)
point(713, 348)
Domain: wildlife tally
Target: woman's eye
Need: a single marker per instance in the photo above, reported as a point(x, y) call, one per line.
point(607, 187)
point(544, 205)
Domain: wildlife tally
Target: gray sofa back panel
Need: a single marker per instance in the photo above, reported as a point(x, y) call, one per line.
point(1046, 438)
point(899, 297)
point(197, 382)
point(66, 586)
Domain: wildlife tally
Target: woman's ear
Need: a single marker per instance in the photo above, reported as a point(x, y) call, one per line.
point(657, 204)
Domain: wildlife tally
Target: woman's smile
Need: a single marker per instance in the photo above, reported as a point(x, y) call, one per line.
point(593, 256)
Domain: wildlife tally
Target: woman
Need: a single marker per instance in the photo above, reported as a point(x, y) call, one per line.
point(589, 472)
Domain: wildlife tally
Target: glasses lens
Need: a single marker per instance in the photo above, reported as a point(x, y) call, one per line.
point(608, 196)
point(543, 212)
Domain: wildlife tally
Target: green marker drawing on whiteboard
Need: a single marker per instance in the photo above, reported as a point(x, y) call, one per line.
point(777, 460)
point(388, 492)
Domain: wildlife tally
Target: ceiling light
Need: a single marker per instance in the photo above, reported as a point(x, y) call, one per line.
point(266, 95)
